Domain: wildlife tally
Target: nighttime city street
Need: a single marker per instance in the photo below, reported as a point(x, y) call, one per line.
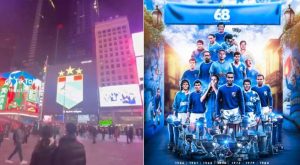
point(71, 70)
point(103, 152)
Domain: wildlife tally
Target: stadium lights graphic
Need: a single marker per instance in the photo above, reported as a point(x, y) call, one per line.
point(69, 87)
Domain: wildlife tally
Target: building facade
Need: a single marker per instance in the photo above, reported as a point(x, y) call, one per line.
point(116, 65)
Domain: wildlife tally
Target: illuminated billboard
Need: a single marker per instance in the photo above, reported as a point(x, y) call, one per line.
point(119, 96)
point(71, 88)
point(19, 93)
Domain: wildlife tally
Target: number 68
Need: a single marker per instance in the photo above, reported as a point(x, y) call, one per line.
point(222, 14)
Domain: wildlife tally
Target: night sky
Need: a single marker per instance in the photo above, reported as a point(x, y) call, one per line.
point(132, 8)
point(17, 16)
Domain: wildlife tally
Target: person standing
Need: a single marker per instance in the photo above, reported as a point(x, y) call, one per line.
point(251, 72)
point(18, 138)
point(221, 67)
point(209, 97)
point(198, 53)
point(70, 151)
point(204, 67)
point(213, 47)
point(265, 95)
point(239, 69)
point(196, 108)
point(252, 102)
point(220, 35)
point(191, 74)
point(43, 153)
point(245, 53)
point(230, 101)
point(180, 107)
point(156, 109)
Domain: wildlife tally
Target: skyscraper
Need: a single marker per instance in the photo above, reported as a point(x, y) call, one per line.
point(116, 62)
point(116, 67)
point(82, 15)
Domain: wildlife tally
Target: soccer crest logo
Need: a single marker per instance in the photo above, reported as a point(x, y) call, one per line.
point(233, 94)
point(70, 87)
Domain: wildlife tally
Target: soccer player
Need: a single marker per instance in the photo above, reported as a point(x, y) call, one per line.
point(198, 53)
point(251, 72)
point(245, 54)
point(230, 47)
point(230, 100)
point(209, 97)
point(192, 74)
point(221, 67)
point(204, 75)
point(265, 95)
point(213, 47)
point(252, 102)
point(239, 69)
point(196, 106)
point(156, 111)
point(220, 35)
point(180, 107)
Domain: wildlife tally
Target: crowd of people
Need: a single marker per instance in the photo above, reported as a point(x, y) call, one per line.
point(50, 149)
point(58, 143)
point(113, 132)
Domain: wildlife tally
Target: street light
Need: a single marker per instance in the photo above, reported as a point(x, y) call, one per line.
point(289, 15)
point(156, 16)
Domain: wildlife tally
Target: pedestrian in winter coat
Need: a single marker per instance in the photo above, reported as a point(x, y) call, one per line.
point(70, 151)
point(18, 138)
point(43, 153)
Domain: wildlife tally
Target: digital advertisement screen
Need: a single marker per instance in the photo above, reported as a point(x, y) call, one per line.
point(119, 96)
point(71, 88)
point(19, 93)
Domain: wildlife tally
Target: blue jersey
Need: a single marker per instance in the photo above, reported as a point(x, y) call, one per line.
point(265, 95)
point(204, 75)
point(252, 102)
point(180, 104)
point(230, 49)
point(198, 56)
point(221, 69)
point(220, 37)
point(251, 75)
point(230, 97)
point(239, 73)
point(195, 105)
point(214, 50)
point(191, 76)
